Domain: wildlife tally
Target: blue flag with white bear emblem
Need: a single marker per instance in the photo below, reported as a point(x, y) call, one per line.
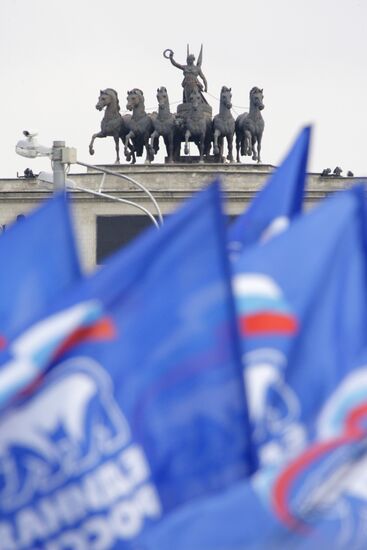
point(143, 408)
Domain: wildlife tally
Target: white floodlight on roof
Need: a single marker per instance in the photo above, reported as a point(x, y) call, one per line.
point(30, 148)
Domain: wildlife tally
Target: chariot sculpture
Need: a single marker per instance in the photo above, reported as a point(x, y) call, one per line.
point(193, 121)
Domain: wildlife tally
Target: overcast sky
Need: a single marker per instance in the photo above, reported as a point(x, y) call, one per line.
point(309, 56)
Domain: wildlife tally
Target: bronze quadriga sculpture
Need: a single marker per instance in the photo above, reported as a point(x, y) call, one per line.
point(192, 122)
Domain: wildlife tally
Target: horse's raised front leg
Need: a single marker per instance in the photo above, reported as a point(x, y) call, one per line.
point(130, 152)
point(117, 147)
point(128, 136)
point(153, 136)
point(133, 156)
point(94, 136)
point(215, 141)
point(187, 137)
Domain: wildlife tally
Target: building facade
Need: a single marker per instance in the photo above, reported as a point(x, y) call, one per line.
point(103, 225)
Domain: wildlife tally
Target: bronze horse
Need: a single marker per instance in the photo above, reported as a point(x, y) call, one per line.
point(140, 125)
point(224, 125)
point(193, 124)
point(112, 124)
point(250, 127)
point(164, 124)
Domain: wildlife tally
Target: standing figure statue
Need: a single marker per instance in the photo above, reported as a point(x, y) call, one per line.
point(191, 73)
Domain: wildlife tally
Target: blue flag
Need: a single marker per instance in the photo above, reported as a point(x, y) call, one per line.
point(303, 313)
point(302, 302)
point(141, 411)
point(238, 518)
point(39, 261)
point(230, 520)
point(302, 299)
point(277, 203)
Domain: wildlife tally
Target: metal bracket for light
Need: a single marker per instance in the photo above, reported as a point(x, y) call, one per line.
point(126, 178)
point(62, 156)
point(48, 179)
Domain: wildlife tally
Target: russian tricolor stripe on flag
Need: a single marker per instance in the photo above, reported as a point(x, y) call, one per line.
point(32, 352)
point(261, 306)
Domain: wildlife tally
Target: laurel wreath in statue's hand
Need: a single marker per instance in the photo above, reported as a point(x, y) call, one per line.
point(168, 53)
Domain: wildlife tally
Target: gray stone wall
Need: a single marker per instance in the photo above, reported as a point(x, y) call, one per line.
point(170, 185)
